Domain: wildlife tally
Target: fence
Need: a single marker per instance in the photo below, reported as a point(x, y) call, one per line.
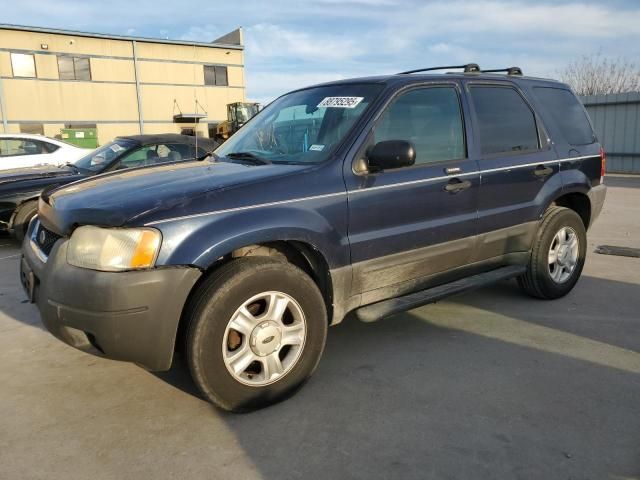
point(616, 119)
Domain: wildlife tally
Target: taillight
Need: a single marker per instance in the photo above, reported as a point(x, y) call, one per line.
point(603, 164)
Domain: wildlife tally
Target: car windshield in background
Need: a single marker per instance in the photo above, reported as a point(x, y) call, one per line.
point(303, 126)
point(103, 156)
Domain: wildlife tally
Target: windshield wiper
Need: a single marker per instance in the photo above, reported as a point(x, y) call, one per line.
point(249, 157)
point(73, 167)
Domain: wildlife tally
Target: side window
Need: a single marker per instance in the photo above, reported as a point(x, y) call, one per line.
point(49, 147)
point(14, 146)
point(177, 152)
point(157, 154)
point(139, 157)
point(505, 121)
point(568, 113)
point(431, 119)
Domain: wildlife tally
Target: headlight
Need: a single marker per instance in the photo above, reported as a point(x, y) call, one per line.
point(113, 249)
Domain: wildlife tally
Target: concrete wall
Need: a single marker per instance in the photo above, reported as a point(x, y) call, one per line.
point(166, 73)
point(616, 119)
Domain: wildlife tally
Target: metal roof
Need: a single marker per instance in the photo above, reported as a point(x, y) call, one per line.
point(76, 33)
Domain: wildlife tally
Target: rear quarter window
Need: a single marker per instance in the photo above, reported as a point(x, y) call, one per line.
point(567, 113)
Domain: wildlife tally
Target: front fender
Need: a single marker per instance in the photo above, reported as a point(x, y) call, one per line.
point(201, 240)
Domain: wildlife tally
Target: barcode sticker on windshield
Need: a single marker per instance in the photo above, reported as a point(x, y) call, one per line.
point(340, 102)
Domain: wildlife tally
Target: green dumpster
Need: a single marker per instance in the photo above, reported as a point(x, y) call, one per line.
point(82, 137)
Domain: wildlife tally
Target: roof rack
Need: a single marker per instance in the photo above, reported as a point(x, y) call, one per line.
point(508, 71)
point(468, 68)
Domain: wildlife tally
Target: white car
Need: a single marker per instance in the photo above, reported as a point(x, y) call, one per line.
point(22, 150)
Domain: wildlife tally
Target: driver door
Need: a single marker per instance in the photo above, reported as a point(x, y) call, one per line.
point(408, 228)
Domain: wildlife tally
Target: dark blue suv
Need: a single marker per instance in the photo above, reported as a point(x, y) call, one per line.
point(367, 196)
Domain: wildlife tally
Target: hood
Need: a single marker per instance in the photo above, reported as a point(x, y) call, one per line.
point(114, 198)
point(34, 173)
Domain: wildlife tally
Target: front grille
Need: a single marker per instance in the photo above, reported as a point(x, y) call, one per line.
point(44, 238)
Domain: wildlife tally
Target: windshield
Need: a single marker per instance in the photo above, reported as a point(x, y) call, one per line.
point(303, 126)
point(103, 156)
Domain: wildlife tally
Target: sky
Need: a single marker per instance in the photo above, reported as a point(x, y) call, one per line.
point(291, 44)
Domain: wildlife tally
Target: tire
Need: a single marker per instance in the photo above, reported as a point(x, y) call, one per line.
point(25, 213)
point(545, 278)
point(208, 340)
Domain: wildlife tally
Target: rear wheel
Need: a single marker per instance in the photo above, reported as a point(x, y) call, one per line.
point(257, 328)
point(557, 256)
point(25, 213)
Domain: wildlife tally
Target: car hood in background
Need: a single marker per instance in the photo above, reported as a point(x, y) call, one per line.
point(34, 173)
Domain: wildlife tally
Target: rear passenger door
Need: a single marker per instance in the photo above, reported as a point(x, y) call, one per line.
point(516, 163)
point(405, 227)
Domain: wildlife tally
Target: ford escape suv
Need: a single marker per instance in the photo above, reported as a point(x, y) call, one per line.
point(367, 196)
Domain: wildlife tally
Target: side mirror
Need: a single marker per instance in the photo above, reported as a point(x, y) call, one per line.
point(391, 154)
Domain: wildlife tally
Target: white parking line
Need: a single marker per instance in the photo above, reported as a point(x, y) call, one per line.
point(10, 256)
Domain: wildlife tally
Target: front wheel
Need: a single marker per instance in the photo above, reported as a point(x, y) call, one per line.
point(25, 213)
point(257, 329)
point(557, 256)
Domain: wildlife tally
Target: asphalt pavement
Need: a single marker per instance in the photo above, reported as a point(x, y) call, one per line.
point(487, 385)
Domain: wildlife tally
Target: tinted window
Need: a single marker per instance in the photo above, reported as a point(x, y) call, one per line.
point(157, 154)
point(568, 114)
point(505, 121)
point(14, 146)
point(430, 118)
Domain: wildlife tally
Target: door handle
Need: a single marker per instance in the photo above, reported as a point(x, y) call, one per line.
point(541, 171)
point(456, 185)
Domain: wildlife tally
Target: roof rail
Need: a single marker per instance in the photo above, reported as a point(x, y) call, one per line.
point(508, 71)
point(468, 68)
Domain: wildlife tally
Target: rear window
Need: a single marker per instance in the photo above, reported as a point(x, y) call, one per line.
point(568, 114)
point(505, 121)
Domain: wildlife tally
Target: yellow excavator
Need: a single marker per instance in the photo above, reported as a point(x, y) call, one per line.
point(238, 114)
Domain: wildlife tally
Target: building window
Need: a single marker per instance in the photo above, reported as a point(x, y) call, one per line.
point(23, 65)
point(79, 126)
point(215, 75)
point(32, 128)
point(74, 68)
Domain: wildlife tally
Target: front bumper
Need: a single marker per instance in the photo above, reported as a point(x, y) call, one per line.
point(596, 197)
point(131, 316)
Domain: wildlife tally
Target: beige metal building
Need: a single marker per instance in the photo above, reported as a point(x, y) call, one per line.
point(54, 79)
